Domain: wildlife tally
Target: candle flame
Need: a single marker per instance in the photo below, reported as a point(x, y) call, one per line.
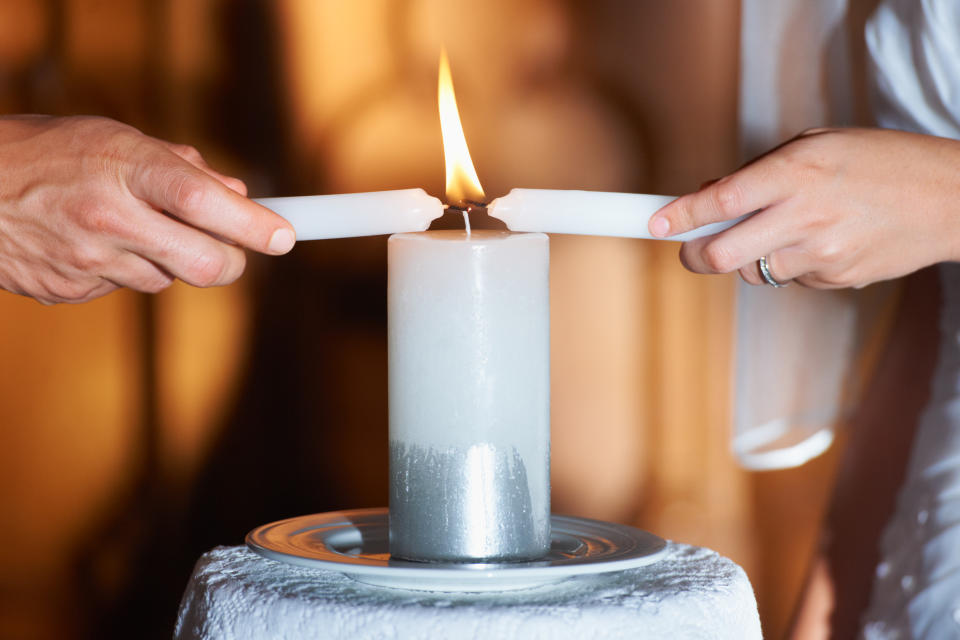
point(462, 180)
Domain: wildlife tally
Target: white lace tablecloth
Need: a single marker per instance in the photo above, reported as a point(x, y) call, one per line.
point(692, 592)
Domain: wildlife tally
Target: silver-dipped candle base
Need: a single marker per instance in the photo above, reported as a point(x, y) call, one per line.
point(464, 505)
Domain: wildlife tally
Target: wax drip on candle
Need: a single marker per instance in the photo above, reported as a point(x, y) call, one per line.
point(466, 222)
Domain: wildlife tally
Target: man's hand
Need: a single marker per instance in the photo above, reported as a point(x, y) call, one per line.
point(88, 205)
point(837, 208)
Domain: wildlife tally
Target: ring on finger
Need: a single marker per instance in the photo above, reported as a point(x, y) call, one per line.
point(765, 272)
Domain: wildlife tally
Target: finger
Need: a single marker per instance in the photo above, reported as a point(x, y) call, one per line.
point(167, 182)
point(756, 186)
point(191, 155)
point(742, 244)
point(182, 251)
point(771, 269)
point(49, 279)
point(800, 265)
point(134, 272)
point(53, 288)
point(99, 291)
point(751, 274)
point(790, 264)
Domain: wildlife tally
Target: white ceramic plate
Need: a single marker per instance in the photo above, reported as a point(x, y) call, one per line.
point(356, 543)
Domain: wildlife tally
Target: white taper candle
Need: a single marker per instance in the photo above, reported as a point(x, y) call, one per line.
point(590, 213)
point(357, 214)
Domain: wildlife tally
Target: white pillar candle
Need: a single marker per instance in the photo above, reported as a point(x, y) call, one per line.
point(357, 214)
point(590, 213)
point(469, 354)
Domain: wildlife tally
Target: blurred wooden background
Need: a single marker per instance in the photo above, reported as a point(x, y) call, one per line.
point(138, 432)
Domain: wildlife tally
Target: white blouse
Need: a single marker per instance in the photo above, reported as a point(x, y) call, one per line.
point(914, 47)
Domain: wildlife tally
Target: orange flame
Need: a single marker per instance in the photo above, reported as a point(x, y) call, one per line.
point(462, 180)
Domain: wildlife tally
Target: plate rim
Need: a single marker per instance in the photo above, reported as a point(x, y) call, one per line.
point(466, 573)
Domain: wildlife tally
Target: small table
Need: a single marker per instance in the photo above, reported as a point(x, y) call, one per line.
point(692, 592)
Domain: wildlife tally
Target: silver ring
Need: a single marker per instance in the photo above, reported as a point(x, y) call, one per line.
point(765, 272)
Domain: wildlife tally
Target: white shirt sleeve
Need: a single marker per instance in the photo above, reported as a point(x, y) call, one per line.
point(914, 49)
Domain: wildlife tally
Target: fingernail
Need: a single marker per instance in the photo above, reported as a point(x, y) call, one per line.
point(659, 226)
point(282, 241)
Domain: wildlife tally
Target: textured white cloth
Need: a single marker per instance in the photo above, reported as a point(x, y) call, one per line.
point(915, 51)
point(692, 592)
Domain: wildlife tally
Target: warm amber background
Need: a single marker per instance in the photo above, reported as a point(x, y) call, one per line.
point(138, 432)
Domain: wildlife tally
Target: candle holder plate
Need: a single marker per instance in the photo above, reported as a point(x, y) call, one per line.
point(356, 544)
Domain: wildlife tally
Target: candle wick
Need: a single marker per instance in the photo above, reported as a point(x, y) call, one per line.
point(466, 222)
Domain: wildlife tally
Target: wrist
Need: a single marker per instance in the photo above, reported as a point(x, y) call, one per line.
point(951, 201)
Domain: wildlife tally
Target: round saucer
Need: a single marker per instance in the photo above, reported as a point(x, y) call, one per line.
point(356, 543)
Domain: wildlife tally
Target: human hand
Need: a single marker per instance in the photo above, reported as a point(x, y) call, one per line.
point(837, 208)
point(88, 205)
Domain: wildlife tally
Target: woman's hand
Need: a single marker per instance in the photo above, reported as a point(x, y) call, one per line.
point(89, 204)
point(836, 208)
